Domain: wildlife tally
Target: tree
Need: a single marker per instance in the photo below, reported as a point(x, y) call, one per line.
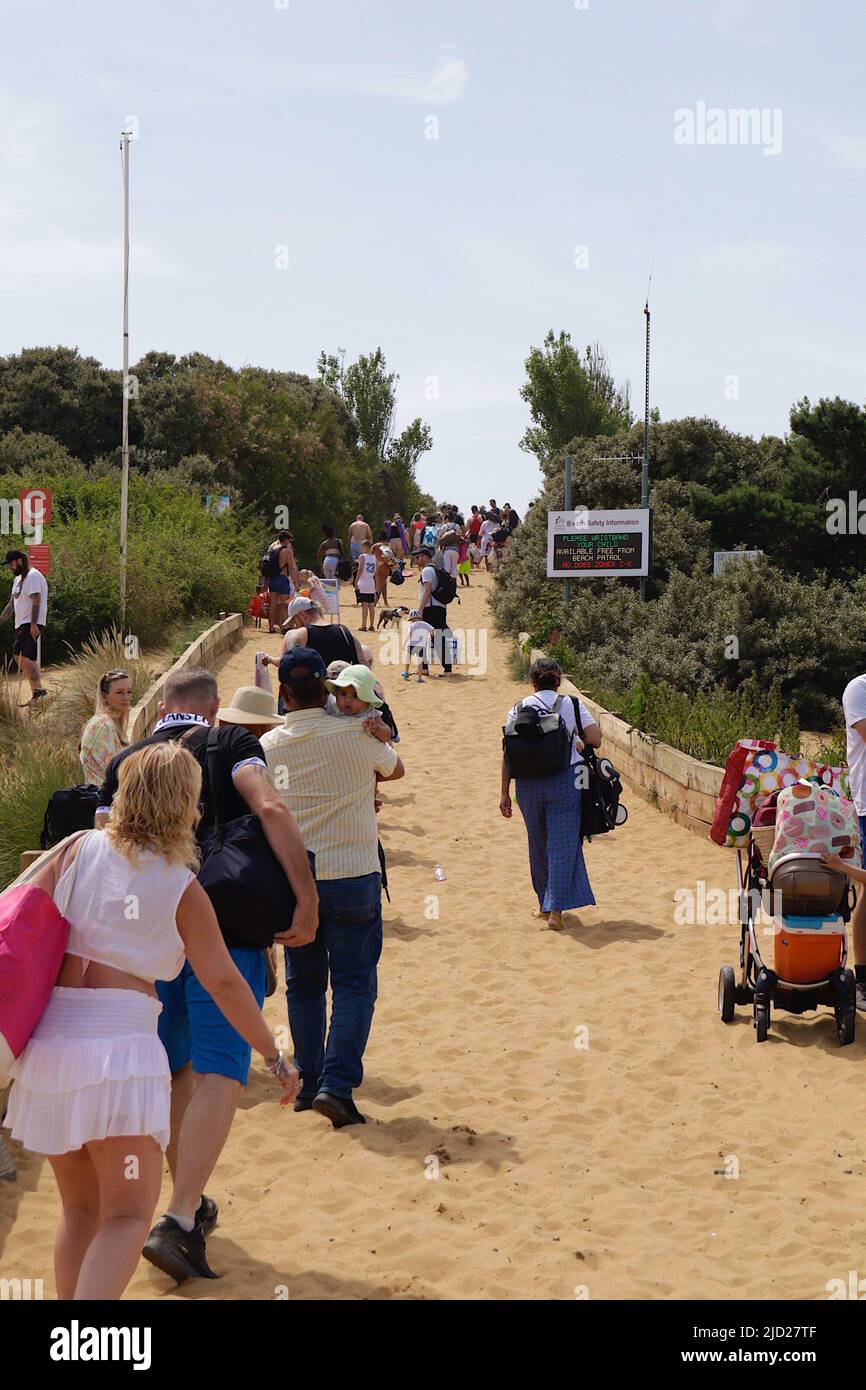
point(56, 391)
point(570, 397)
point(369, 390)
point(370, 395)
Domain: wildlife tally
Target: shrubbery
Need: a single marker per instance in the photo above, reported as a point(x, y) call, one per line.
point(748, 653)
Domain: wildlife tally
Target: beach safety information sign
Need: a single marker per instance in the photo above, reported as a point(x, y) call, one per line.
point(598, 544)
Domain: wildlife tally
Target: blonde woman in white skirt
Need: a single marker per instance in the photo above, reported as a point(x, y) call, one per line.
point(92, 1088)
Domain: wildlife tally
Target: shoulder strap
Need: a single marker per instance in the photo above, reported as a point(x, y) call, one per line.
point(212, 761)
point(576, 703)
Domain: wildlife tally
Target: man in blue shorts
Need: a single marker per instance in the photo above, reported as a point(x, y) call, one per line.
point(209, 1060)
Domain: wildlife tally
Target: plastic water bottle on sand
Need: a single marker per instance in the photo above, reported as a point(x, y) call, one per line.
point(439, 874)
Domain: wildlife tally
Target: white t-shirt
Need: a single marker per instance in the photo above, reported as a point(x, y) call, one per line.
point(418, 636)
point(365, 582)
point(854, 707)
point(24, 586)
point(428, 576)
point(546, 699)
point(450, 560)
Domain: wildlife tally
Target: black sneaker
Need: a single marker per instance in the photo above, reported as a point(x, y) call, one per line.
point(304, 1102)
point(207, 1214)
point(340, 1110)
point(860, 988)
point(178, 1253)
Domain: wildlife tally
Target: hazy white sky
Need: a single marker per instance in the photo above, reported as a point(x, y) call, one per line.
point(304, 125)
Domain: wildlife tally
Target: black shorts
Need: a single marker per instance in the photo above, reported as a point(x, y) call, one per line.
point(365, 597)
point(25, 643)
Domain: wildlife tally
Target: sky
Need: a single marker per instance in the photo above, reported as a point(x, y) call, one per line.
point(448, 180)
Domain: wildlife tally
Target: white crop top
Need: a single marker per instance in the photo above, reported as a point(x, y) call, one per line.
point(124, 916)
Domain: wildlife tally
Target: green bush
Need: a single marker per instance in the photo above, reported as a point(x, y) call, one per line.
point(39, 768)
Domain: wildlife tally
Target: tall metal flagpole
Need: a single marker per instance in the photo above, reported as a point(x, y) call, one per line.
point(644, 481)
point(124, 482)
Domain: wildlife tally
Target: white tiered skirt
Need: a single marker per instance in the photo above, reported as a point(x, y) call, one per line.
point(94, 1068)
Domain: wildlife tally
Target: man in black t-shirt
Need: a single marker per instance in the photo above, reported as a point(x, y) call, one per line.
point(209, 1060)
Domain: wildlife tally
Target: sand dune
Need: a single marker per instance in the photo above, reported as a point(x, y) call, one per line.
point(562, 1170)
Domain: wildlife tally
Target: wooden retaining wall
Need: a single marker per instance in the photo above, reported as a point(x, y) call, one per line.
point(202, 652)
point(682, 786)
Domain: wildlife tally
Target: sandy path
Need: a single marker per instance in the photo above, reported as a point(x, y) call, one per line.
point(558, 1167)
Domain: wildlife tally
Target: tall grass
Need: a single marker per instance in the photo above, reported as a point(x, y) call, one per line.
point(706, 725)
point(39, 768)
point(76, 700)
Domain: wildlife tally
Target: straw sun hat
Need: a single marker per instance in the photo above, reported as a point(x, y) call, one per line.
point(250, 705)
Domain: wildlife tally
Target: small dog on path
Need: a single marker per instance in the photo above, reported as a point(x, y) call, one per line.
point(388, 616)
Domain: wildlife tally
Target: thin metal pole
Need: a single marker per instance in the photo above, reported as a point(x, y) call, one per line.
point(124, 480)
point(644, 481)
point(567, 507)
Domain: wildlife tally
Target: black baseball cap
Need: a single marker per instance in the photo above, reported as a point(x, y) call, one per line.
point(300, 662)
point(14, 555)
point(424, 550)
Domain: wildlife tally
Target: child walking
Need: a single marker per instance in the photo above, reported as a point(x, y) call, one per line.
point(417, 645)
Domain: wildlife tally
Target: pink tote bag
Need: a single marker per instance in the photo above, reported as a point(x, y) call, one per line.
point(33, 936)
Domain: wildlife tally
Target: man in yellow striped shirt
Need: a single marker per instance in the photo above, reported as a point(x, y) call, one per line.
point(325, 770)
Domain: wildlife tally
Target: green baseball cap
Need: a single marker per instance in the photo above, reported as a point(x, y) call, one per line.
point(362, 678)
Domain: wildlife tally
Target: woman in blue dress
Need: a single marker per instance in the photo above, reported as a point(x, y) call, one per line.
point(551, 806)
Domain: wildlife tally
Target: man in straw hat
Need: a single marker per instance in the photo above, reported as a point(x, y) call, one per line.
point(209, 1060)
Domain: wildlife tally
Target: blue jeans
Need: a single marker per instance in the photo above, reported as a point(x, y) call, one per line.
point(347, 948)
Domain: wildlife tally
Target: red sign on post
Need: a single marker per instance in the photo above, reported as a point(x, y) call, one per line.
point(35, 506)
point(40, 558)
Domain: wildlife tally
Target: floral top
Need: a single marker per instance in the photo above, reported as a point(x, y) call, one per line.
point(100, 741)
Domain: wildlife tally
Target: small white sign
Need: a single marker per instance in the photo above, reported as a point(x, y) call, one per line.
point(732, 557)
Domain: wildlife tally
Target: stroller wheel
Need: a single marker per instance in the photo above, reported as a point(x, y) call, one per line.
point(762, 1022)
point(727, 987)
point(846, 1010)
point(845, 1025)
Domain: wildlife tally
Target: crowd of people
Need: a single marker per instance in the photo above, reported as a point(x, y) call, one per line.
point(144, 1048)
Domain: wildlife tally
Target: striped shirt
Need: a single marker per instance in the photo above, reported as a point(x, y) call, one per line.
point(323, 768)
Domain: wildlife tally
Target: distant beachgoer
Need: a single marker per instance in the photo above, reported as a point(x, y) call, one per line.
point(485, 539)
point(433, 612)
point(493, 512)
point(283, 585)
point(464, 563)
point(365, 586)
point(551, 806)
point(359, 531)
point(28, 602)
point(417, 645)
point(92, 1087)
point(329, 553)
point(105, 733)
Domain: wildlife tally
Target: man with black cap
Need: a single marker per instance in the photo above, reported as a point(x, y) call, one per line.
point(29, 601)
point(325, 769)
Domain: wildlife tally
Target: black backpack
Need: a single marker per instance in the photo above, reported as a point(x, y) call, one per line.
point(602, 810)
point(270, 566)
point(240, 873)
point(68, 810)
point(536, 742)
point(446, 587)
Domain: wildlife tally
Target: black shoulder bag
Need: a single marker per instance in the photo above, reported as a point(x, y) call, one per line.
point(244, 879)
point(601, 810)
